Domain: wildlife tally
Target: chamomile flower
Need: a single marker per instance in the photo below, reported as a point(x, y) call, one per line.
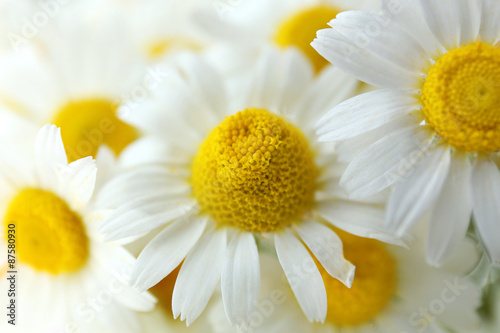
point(239, 168)
point(394, 291)
point(254, 25)
point(433, 131)
point(77, 79)
point(67, 277)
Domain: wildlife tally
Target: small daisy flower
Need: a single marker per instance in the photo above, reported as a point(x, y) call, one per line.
point(77, 79)
point(283, 23)
point(67, 278)
point(394, 291)
point(433, 131)
point(236, 168)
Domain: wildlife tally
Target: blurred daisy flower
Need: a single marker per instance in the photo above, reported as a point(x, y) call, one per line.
point(225, 167)
point(69, 278)
point(253, 25)
point(394, 291)
point(77, 80)
point(433, 131)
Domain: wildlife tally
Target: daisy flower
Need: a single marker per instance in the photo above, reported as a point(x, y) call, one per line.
point(236, 168)
point(433, 130)
point(394, 291)
point(67, 277)
point(77, 79)
point(283, 23)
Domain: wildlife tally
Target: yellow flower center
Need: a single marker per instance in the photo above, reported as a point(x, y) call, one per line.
point(255, 171)
point(300, 29)
point(86, 124)
point(49, 235)
point(372, 288)
point(461, 97)
point(162, 47)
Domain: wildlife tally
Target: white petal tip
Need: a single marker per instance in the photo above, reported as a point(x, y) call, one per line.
point(350, 277)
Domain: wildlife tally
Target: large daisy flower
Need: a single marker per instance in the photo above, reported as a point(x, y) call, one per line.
point(239, 169)
point(394, 291)
point(76, 79)
point(66, 277)
point(283, 23)
point(433, 131)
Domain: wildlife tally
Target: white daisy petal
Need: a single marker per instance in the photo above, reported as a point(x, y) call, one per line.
point(490, 21)
point(348, 150)
point(143, 215)
point(166, 251)
point(240, 280)
point(50, 157)
point(371, 57)
point(149, 180)
point(327, 248)
point(303, 276)
point(408, 14)
point(206, 85)
point(452, 212)
point(106, 164)
point(150, 150)
point(198, 276)
point(485, 199)
point(78, 180)
point(452, 22)
point(364, 113)
point(414, 195)
point(358, 219)
point(385, 162)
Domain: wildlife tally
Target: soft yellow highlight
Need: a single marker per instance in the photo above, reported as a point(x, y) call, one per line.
point(255, 171)
point(86, 124)
point(160, 48)
point(300, 30)
point(49, 235)
point(461, 98)
point(373, 287)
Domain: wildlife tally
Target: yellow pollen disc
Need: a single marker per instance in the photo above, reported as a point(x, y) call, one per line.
point(373, 287)
point(86, 124)
point(300, 30)
point(461, 98)
point(255, 171)
point(49, 235)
